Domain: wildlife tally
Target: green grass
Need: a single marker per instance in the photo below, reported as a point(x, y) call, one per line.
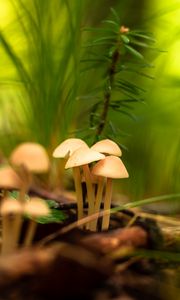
point(44, 97)
point(45, 64)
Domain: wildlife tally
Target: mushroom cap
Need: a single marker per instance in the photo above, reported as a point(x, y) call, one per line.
point(9, 179)
point(10, 206)
point(32, 155)
point(36, 207)
point(110, 167)
point(83, 156)
point(108, 147)
point(68, 147)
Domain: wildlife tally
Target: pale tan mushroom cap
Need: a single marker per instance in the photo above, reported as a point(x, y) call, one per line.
point(9, 178)
point(83, 156)
point(68, 147)
point(36, 207)
point(110, 167)
point(32, 155)
point(10, 206)
point(108, 147)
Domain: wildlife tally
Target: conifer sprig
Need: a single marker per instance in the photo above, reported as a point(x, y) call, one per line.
point(122, 51)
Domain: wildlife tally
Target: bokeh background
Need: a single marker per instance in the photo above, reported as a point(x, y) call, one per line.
point(41, 46)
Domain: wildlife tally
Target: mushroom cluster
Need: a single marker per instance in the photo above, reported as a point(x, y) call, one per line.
point(12, 210)
point(96, 165)
point(26, 159)
point(102, 162)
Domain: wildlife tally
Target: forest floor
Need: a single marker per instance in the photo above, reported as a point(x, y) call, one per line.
point(135, 259)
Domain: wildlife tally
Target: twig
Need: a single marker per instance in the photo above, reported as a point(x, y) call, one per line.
point(107, 95)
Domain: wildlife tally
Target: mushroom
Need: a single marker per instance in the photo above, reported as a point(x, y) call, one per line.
point(30, 158)
point(107, 147)
point(35, 207)
point(110, 167)
point(65, 149)
point(82, 157)
point(9, 179)
point(10, 209)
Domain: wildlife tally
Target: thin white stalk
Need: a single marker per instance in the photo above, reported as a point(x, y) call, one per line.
point(30, 233)
point(90, 193)
point(98, 200)
point(107, 204)
point(78, 188)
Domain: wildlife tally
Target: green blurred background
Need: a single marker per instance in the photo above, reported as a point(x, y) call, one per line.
point(40, 83)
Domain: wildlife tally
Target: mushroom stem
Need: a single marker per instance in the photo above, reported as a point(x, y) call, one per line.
point(27, 180)
point(17, 225)
point(90, 193)
point(18, 221)
point(6, 235)
point(98, 200)
point(10, 208)
point(30, 233)
point(36, 207)
point(107, 204)
point(5, 194)
point(78, 188)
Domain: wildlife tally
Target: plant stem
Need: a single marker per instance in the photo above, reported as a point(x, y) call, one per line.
point(107, 204)
point(107, 95)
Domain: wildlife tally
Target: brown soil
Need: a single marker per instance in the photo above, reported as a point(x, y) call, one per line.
point(94, 266)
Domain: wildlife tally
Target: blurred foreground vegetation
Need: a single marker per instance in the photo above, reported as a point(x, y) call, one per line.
point(42, 84)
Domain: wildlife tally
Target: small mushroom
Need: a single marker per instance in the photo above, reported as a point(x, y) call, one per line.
point(82, 157)
point(65, 149)
point(30, 158)
point(10, 209)
point(110, 167)
point(107, 147)
point(35, 207)
point(9, 179)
